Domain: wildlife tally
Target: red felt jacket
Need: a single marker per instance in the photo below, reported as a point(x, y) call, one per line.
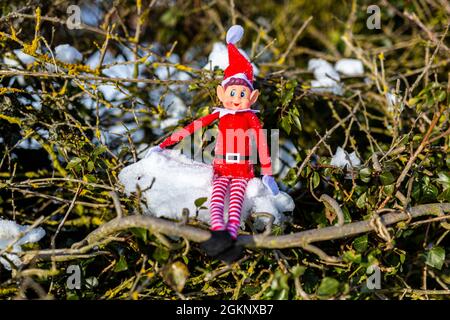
point(236, 131)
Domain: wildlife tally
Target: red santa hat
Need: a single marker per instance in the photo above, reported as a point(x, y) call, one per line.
point(239, 67)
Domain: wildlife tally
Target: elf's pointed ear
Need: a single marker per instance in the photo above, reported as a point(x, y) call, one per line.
point(220, 92)
point(254, 96)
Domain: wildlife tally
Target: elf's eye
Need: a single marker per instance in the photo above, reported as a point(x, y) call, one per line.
point(242, 94)
point(233, 93)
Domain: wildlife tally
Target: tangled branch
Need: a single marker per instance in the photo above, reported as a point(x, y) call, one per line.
point(301, 239)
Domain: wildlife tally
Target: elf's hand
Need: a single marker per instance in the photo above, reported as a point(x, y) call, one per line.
point(153, 149)
point(270, 183)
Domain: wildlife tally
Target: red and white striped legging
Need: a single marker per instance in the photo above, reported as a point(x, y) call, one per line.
point(237, 191)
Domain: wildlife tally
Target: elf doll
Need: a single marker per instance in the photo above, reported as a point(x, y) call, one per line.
point(232, 165)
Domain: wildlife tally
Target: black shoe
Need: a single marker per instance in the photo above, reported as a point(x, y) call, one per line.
point(232, 254)
point(218, 242)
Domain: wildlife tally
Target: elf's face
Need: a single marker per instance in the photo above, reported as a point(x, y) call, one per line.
point(237, 97)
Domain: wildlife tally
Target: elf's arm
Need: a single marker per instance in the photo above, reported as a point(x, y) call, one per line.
point(189, 129)
point(264, 156)
point(261, 143)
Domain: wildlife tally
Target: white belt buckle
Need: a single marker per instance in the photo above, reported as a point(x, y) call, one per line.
point(231, 157)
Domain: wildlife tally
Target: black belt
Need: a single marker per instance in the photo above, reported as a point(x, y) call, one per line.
point(232, 157)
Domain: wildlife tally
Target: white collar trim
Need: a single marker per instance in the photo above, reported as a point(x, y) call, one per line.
point(223, 111)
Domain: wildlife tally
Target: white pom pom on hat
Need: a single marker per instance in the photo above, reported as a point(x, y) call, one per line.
point(234, 34)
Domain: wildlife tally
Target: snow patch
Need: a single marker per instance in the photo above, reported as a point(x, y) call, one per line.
point(9, 232)
point(219, 58)
point(350, 67)
point(179, 181)
point(68, 54)
point(343, 160)
point(327, 78)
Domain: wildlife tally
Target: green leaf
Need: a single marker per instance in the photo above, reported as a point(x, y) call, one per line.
point(90, 166)
point(347, 216)
point(350, 256)
point(286, 125)
point(362, 200)
point(436, 257)
point(445, 195)
point(99, 150)
point(200, 201)
point(361, 243)
point(297, 122)
point(140, 233)
point(389, 189)
point(387, 178)
point(430, 191)
point(279, 289)
point(298, 270)
point(89, 178)
point(441, 96)
point(328, 287)
point(161, 255)
point(365, 174)
point(316, 180)
point(416, 191)
point(121, 265)
point(73, 163)
point(444, 179)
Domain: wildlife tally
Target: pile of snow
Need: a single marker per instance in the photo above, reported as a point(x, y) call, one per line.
point(343, 159)
point(327, 78)
point(350, 67)
point(68, 54)
point(179, 181)
point(14, 60)
point(10, 58)
point(9, 232)
point(219, 58)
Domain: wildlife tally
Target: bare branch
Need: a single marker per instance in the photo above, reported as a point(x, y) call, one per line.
point(299, 239)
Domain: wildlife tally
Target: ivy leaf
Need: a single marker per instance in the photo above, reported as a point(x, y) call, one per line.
point(389, 189)
point(121, 265)
point(430, 191)
point(298, 270)
point(436, 257)
point(416, 192)
point(99, 150)
point(445, 195)
point(140, 233)
point(90, 166)
point(200, 201)
point(286, 124)
point(364, 174)
point(361, 243)
point(73, 163)
point(361, 202)
point(316, 180)
point(328, 287)
point(387, 178)
point(350, 256)
point(161, 254)
point(444, 179)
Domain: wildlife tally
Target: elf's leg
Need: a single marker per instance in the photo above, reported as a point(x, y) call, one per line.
point(220, 239)
point(237, 192)
point(220, 185)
